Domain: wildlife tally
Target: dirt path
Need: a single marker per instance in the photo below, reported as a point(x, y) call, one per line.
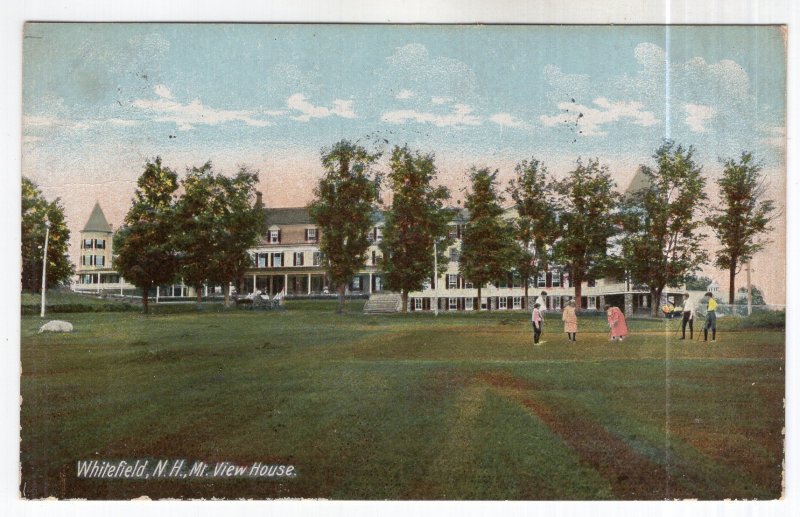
point(630, 475)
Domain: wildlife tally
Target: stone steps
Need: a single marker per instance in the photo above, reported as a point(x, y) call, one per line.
point(383, 303)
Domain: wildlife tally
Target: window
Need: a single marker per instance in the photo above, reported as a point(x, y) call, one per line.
point(317, 258)
point(452, 304)
point(356, 283)
point(467, 285)
point(100, 244)
point(261, 259)
point(468, 304)
point(556, 276)
point(274, 236)
point(454, 255)
point(374, 258)
point(502, 302)
point(452, 281)
point(311, 235)
point(556, 302)
point(517, 302)
point(298, 258)
point(591, 302)
point(378, 234)
point(87, 244)
point(542, 280)
point(418, 304)
point(99, 260)
point(453, 233)
point(591, 282)
point(277, 260)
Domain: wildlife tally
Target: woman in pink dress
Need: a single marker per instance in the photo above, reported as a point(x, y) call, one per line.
point(616, 320)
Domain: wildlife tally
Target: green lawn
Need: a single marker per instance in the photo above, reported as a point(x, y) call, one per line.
point(402, 407)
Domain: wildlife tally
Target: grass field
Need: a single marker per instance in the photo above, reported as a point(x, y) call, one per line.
point(402, 407)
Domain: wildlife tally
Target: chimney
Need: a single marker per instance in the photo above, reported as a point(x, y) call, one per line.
point(259, 199)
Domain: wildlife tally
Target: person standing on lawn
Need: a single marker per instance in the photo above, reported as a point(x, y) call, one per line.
point(570, 320)
point(711, 318)
point(688, 316)
point(616, 321)
point(542, 301)
point(536, 321)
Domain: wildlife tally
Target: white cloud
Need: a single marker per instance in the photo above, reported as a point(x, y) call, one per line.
point(404, 94)
point(441, 100)
point(589, 120)
point(461, 116)
point(186, 116)
point(163, 91)
point(299, 103)
point(40, 121)
point(507, 120)
point(697, 115)
point(421, 70)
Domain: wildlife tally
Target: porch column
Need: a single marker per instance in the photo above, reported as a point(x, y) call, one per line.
point(308, 286)
point(158, 291)
point(286, 283)
point(205, 290)
point(254, 283)
point(369, 289)
point(270, 285)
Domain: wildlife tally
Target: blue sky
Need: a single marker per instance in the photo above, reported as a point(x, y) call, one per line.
point(99, 99)
point(462, 90)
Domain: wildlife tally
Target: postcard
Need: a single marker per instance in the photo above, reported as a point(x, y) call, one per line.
point(403, 262)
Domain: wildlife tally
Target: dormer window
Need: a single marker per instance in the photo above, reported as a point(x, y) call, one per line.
point(274, 236)
point(311, 235)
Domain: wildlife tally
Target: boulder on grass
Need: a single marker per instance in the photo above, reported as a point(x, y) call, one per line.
point(56, 326)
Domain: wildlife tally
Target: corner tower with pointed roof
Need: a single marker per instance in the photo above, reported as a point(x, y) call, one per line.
point(94, 266)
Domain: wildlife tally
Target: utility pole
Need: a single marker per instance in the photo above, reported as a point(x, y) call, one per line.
point(435, 280)
point(44, 264)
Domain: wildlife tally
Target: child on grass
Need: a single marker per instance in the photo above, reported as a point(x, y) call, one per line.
point(570, 320)
point(616, 321)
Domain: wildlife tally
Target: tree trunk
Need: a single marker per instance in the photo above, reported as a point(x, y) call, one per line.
point(479, 300)
point(198, 291)
point(655, 301)
point(145, 294)
point(527, 305)
point(578, 290)
point(340, 304)
point(404, 295)
point(732, 287)
point(226, 294)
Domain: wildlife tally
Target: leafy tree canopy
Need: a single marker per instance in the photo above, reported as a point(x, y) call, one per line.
point(35, 211)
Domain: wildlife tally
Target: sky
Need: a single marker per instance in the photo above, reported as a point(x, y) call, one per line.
point(100, 99)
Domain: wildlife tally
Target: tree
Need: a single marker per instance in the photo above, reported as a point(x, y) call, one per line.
point(217, 223)
point(696, 283)
point(488, 251)
point(758, 296)
point(586, 202)
point(662, 244)
point(743, 217)
point(531, 191)
point(345, 200)
point(145, 245)
point(35, 210)
point(415, 221)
